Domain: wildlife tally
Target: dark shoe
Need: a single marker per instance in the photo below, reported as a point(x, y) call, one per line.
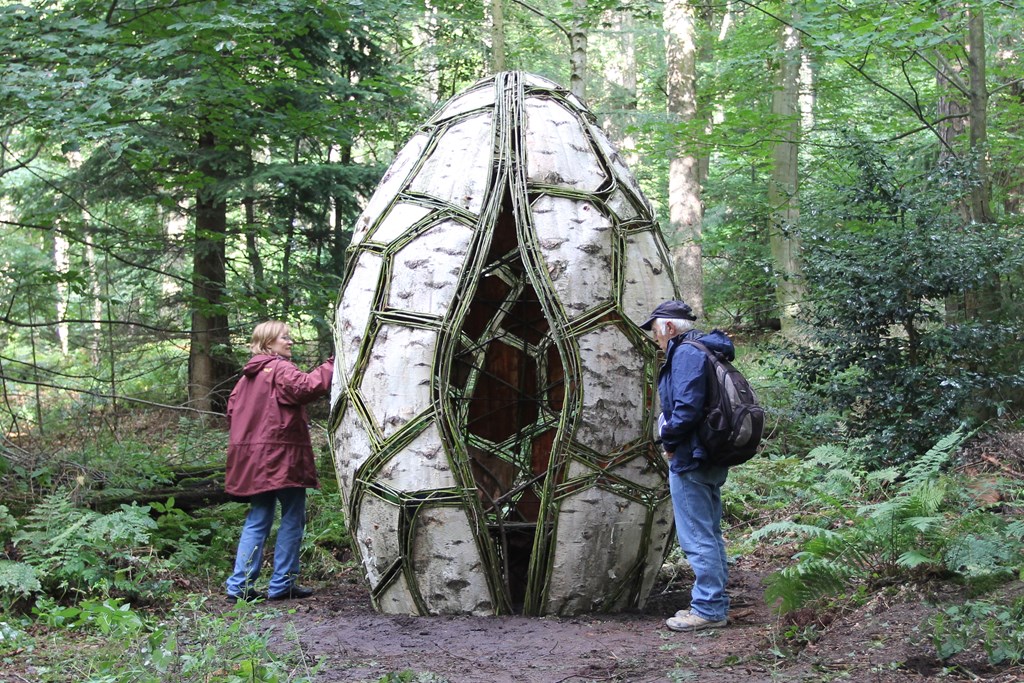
point(250, 595)
point(293, 593)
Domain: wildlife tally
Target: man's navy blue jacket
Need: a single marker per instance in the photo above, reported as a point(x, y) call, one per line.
point(682, 388)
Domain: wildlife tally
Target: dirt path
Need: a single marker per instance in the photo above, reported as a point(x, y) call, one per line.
point(878, 643)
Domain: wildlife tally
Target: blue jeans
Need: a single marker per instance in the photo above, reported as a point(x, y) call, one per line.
point(254, 534)
point(697, 503)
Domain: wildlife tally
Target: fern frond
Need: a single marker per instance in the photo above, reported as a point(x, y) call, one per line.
point(931, 463)
point(828, 455)
point(923, 524)
point(915, 558)
point(973, 556)
point(1015, 529)
point(784, 528)
point(130, 526)
point(18, 579)
point(794, 587)
point(884, 476)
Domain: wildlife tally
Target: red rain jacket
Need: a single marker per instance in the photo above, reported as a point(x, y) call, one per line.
point(268, 446)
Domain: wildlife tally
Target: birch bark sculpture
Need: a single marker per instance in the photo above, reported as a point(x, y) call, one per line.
point(493, 396)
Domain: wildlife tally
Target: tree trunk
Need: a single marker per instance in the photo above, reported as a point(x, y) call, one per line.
point(257, 286)
point(981, 192)
point(497, 35)
point(783, 188)
point(95, 291)
point(578, 50)
point(620, 73)
point(210, 367)
point(686, 211)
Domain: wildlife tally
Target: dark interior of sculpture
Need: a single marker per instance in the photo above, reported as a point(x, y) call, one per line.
point(511, 380)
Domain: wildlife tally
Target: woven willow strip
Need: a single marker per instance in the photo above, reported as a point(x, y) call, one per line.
point(494, 398)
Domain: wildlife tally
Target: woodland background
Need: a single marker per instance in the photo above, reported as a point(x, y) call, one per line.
point(840, 185)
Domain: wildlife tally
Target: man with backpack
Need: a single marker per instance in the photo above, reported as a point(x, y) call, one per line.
point(695, 481)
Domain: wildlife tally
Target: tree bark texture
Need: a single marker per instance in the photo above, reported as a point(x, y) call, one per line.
point(497, 35)
point(686, 211)
point(209, 366)
point(578, 51)
point(783, 188)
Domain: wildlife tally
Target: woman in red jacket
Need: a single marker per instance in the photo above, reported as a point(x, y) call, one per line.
point(270, 459)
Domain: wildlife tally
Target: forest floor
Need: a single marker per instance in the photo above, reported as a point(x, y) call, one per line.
point(883, 640)
point(879, 642)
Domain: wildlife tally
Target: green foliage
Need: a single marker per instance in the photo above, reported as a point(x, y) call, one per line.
point(997, 629)
point(78, 551)
point(919, 529)
point(327, 539)
point(186, 644)
point(17, 581)
point(883, 253)
point(410, 676)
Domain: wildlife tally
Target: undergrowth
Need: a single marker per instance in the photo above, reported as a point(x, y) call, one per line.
point(860, 530)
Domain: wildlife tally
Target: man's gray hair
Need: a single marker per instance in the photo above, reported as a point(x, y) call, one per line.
point(681, 324)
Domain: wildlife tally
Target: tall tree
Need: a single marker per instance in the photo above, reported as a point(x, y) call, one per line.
point(684, 185)
point(578, 50)
point(497, 35)
point(783, 188)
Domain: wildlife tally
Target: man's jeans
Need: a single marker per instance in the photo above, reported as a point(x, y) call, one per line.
point(697, 503)
point(254, 534)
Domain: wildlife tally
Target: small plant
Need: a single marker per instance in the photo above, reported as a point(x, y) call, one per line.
point(409, 676)
point(997, 629)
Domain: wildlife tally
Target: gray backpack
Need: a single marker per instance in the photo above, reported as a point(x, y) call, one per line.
point(733, 421)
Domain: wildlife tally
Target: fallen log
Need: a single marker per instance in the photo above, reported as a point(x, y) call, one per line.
point(192, 488)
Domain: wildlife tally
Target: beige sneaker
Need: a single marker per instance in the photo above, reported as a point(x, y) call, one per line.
point(688, 621)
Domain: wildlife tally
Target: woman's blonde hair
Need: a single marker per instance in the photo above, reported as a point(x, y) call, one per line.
point(265, 333)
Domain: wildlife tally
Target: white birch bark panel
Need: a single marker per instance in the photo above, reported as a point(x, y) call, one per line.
point(390, 185)
point(641, 472)
point(558, 152)
point(613, 391)
point(397, 599)
point(575, 239)
point(447, 564)
point(535, 81)
point(426, 271)
point(620, 205)
point(420, 466)
point(352, 448)
point(378, 537)
point(354, 311)
point(619, 168)
point(396, 384)
point(661, 531)
point(465, 103)
point(458, 168)
point(598, 541)
point(647, 280)
point(399, 219)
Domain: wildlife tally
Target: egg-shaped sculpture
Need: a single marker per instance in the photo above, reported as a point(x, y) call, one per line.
point(493, 394)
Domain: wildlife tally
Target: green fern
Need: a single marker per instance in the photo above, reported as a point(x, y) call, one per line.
point(880, 541)
point(17, 580)
point(931, 464)
point(78, 550)
point(805, 582)
point(787, 528)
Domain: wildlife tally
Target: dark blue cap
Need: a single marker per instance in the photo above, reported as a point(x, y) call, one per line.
point(670, 309)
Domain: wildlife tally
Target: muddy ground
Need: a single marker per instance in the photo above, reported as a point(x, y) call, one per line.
point(880, 642)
